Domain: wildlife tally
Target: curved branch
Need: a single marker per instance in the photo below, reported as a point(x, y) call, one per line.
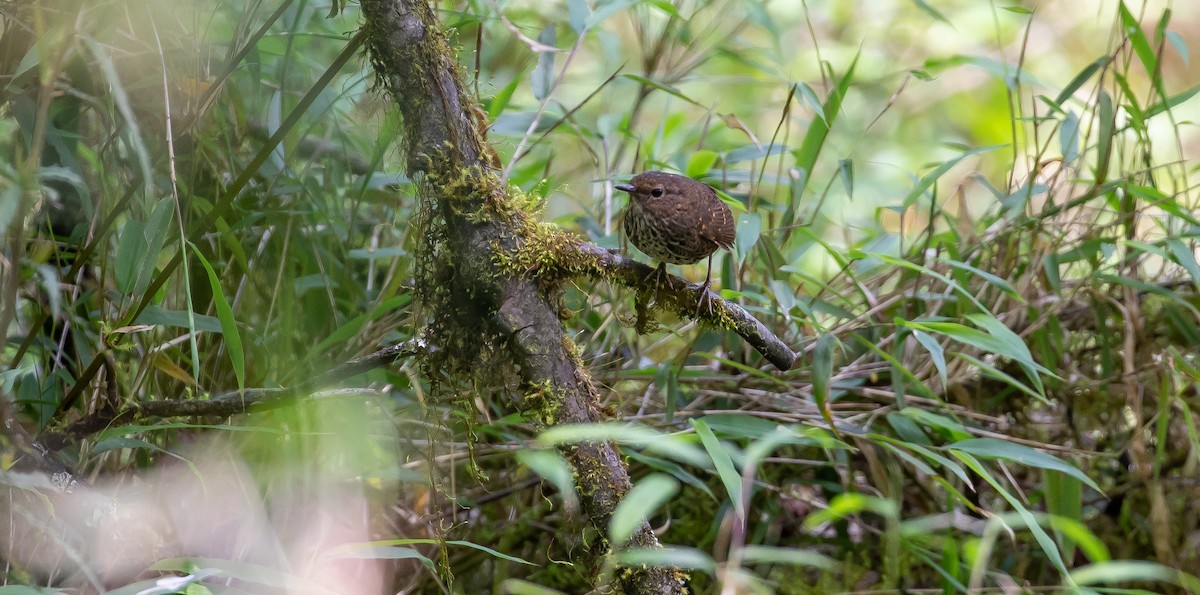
point(683, 296)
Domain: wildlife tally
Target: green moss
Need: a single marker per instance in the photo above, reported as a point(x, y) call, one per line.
point(542, 404)
point(683, 303)
point(543, 250)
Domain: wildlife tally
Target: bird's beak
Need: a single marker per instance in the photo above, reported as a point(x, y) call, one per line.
point(624, 187)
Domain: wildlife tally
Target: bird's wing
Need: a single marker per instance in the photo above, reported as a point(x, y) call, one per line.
point(718, 225)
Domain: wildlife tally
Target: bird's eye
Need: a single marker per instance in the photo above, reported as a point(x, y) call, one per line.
point(657, 192)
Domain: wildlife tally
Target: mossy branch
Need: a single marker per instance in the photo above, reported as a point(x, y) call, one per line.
point(550, 255)
point(483, 316)
point(682, 298)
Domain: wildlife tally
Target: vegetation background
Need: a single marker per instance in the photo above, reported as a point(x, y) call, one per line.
point(974, 221)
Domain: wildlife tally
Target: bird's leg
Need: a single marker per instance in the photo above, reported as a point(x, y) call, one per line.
point(658, 275)
point(705, 294)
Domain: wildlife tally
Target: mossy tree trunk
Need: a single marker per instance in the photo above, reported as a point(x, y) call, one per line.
point(470, 219)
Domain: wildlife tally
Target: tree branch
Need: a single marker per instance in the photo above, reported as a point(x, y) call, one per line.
point(455, 171)
point(683, 296)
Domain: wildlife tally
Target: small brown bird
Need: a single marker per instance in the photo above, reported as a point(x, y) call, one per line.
point(676, 219)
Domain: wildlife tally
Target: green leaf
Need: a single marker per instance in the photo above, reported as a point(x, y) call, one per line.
point(950, 466)
point(118, 443)
point(1073, 531)
point(349, 548)
point(846, 173)
point(639, 504)
point(131, 253)
point(809, 96)
point(138, 248)
point(188, 584)
point(484, 549)
point(749, 228)
point(729, 475)
point(906, 429)
point(552, 468)
point(1064, 499)
point(992, 448)
point(993, 372)
point(543, 74)
point(1186, 258)
point(155, 315)
point(1014, 348)
point(246, 571)
point(931, 11)
point(1081, 78)
point(928, 179)
point(675, 447)
point(388, 552)
point(577, 14)
point(997, 339)
point(607, 10)
point(760, 449)
point(1179, 44)
point(733, 425)
point(118, 94)
point(662, 87)
point(21, 589)
point(950, 427)
point(666, 380)
point(501, 98)
point(354, 325)
point(673, 469)
point(1104, 144)
point(700, 162)
point(513, 586)
point(787, 555)
point(233, 340)
point(1142, 46)
point(1068, 137)
point(669, 556)
point(784, 294)
point(822, 372)
point(665, 6)
point(1156, 198)
point(900, 262)
point(1039, 534)
point(936, 352)
point(1008, 343)
point(918, 464)
point(849, 504)
point(749, 152)
point(1053, 275)
point(903, 374)
point(155, 231)
point(818, 130)
point(1150, 288)
point(1122, 571)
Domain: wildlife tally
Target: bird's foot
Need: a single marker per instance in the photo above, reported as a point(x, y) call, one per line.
point(658, 277)
point(705, 304)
